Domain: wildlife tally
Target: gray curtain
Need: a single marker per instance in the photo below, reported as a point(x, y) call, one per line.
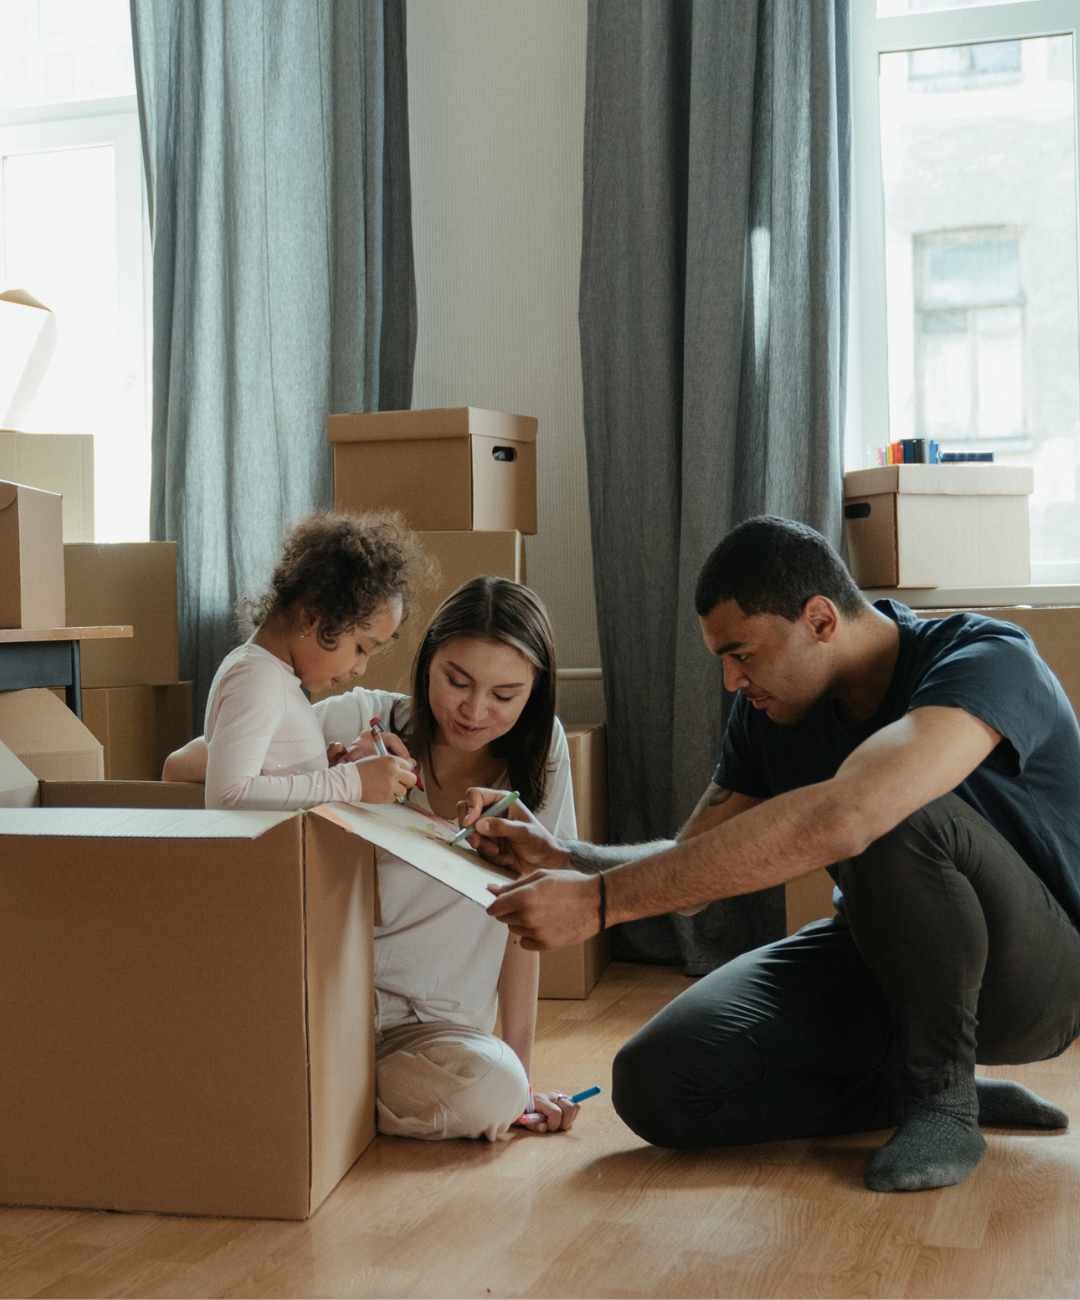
point(277, 161)
point(712, 311)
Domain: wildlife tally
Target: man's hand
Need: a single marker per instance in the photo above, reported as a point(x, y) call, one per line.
point(517, 840)
point(549, 909)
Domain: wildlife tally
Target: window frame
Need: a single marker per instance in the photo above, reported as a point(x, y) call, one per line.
point(86, 123)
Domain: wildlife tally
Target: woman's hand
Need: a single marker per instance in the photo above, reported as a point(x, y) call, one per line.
point(364, 746)
point(385, 779)
point(516, 840)
point(552, 1112)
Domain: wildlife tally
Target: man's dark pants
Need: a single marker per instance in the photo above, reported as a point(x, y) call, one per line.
point(950, 952)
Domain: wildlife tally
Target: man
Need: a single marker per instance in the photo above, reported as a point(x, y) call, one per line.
point(934, 767)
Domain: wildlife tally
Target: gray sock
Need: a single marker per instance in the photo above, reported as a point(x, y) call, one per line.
point(937, 1143)
point(1005, 1104)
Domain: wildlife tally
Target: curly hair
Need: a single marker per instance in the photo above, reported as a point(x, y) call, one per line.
point(341, 568)
point(496, 609)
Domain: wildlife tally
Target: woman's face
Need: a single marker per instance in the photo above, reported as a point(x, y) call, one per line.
point(477, 689)
point(319, 668)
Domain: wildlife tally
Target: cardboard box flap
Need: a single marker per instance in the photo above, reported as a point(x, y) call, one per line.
point(941, 480)
point(18, 785)
point(8, 493)
point(140, 823)
point(448, 422)
point(35, 725)
point(420, 840)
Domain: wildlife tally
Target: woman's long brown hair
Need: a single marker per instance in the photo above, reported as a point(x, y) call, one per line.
point(503, 611)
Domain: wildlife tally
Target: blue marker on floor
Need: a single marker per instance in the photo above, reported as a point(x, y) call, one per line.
point(579, 1097)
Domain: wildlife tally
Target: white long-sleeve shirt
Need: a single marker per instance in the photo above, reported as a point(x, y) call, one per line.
point(438, 955)
point(265, 746)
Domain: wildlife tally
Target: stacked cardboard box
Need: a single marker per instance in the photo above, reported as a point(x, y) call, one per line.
point(133, 700)
point(465, 479)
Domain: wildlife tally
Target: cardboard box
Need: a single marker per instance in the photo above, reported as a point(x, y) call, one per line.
point(572, 972)
point(45, 735)
point(1055, 631)
point(938, 525)
point(27, 343)
point(31, 557)
point(125, 582)
point(446, 470)
point(138, 726)
point(18, 785)
point(461, 556)
point(55, 462)
point(186, 1007)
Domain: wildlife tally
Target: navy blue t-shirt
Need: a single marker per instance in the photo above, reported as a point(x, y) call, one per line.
point(1028, 787)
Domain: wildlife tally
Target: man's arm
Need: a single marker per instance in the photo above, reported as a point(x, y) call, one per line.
point(897, 770)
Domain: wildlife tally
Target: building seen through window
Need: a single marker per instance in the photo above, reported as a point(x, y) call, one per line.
point(978, 167)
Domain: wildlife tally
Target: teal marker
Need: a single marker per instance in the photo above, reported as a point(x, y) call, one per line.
point(579, 1097)
point(496, 810)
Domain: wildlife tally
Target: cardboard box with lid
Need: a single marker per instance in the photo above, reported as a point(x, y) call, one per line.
point(456, 469)
point(938, 525)
point(55, 462)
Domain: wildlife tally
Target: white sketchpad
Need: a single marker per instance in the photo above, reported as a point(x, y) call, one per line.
point(421, 840)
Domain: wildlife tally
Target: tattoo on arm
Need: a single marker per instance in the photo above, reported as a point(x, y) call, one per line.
point(713, 797)
point(598, 857)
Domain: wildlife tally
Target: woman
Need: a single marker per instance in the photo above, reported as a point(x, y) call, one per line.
point(482, 713)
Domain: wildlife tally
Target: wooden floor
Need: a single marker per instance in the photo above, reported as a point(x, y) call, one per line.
point(597, 1213)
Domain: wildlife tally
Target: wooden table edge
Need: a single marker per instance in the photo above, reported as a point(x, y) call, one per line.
point(104, 633)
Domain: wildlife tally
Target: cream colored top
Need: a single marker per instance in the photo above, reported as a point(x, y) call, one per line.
point(437, 954)
point(265, 748)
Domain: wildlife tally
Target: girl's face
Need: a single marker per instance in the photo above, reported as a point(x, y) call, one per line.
point(319, 669)
point(477, 690)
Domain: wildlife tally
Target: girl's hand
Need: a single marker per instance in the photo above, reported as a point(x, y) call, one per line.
point(364, 747)
point(552, 1112)
point(385, 779)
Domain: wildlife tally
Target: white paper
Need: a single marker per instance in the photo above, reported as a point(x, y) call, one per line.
point(421, 840)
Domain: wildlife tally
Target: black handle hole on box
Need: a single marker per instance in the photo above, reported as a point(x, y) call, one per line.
point(504, 453)
point(860, 510)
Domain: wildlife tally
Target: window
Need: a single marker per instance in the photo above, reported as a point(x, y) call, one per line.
point(74, 233)
point(969, 323)
point(964, 319)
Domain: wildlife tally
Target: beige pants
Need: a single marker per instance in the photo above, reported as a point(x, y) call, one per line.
point(447, 1081)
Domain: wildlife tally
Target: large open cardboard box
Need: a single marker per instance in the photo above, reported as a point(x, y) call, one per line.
point(456, 469)
point(938, 525)
point(185, 1004)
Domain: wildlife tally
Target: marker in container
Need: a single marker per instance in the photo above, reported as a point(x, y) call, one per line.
point(496, 810)
point(380, 745)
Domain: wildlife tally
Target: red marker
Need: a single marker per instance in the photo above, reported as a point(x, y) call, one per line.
point(377, 727)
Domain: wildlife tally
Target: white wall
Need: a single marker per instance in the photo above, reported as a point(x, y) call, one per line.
point(496, 111)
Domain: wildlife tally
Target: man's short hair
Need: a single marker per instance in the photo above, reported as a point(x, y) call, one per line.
point(770, 565)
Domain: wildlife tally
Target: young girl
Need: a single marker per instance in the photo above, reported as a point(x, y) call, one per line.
point(483, 714)
point(339, 591)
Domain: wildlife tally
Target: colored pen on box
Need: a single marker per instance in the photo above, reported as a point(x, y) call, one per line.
point(496, 810)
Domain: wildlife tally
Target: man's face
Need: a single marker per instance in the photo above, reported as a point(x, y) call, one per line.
point(782, 668)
